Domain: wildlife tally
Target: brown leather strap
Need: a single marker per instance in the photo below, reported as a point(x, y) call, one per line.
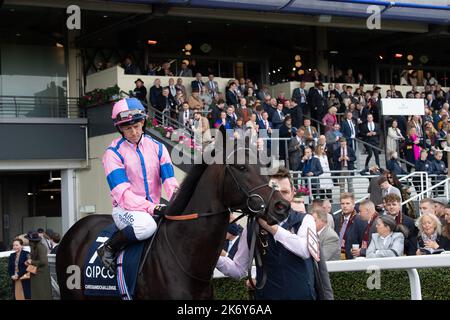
point(183, 217)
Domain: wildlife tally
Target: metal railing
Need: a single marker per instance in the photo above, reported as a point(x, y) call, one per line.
point(39, 107)
point(347, 181)
point(426, 193)
point(361, 141)
point(408, 263)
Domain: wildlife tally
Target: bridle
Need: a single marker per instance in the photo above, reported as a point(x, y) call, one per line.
point(256, 208)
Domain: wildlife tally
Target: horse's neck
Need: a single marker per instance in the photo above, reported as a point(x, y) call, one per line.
point(207, 195)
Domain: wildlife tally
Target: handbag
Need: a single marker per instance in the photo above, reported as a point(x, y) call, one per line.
point(32, 269)
point(26, 276)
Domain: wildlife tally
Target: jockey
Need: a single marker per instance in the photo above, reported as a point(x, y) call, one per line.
point(136, 167)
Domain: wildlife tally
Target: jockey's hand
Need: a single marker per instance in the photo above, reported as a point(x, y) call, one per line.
point(159, 210)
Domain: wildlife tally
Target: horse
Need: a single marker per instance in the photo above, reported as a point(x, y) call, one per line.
point(184, 252)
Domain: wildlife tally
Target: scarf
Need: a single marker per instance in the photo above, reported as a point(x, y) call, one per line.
point(350, 222)
point(365, 242)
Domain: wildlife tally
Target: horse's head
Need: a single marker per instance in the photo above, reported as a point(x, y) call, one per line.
point(247, 187)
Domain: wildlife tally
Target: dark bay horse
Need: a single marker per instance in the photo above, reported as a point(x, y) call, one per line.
point(184, 253)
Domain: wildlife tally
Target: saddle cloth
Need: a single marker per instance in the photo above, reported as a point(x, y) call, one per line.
point(98, 281)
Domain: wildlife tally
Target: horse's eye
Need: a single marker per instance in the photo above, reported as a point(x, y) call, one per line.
point(242, 168)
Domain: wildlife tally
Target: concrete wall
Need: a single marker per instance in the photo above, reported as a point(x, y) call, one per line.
point(115, 75)
point(16, 203)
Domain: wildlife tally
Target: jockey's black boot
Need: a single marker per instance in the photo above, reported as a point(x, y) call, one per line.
point(111, 248)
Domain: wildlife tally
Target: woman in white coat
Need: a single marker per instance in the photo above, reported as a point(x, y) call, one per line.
point(325, 185)
point(394, 137)
point(389, 241)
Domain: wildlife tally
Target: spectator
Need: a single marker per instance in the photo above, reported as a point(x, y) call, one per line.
point(285, 131)
point(426, 205)
point(129, 67)
point(172, 88)
point(311, 133)
point(333, 137)
point(329, 240)
point(325, 185)
point(242, 110)
point(151, 69)
point(185, 115)
point(349, 78)
point(393, 208)
point(278, 117)
point(212, 86)
point(165, 103)
point(17, 270)
point(348, 225)
point(412, 149)
point(206, 98)
point(296, 276)
point(265, 129)
point(155, 92)
point(440, 169)
point(389, 241)
point(394, 165)
point(344, 160)
point(185, 71)
point(439, 209)
point(180, 86)
point(263, 93)
point(394, 137)
point(299, 95)
point(407, 209)
point(40, 282)
point(55, 238)
point(296, 146)
point(317, 102)
point(197, 84)
point(371, 132)
point(140, 92)
point(349, 130)
point(430, 239)
point(250, 98)
point(329, 120)
point(367, 213)
point(429, 80)
point(222, 121)
point(201, 129)
point(423, 164)
point(195, 102)
point(430, 135)
point(231, 241)
point(252, 125)
point(165, 70)
point(387, 188)
point(45, 240)
point(231, 95)
point(374, 189)
point(446, 227)
point(239, 129)
point(360, 79)
point(215, 109)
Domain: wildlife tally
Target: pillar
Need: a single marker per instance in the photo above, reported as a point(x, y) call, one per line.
point(321, 49)
point(68, 199)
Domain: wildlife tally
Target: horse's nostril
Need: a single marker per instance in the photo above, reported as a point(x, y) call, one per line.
point(280, 206)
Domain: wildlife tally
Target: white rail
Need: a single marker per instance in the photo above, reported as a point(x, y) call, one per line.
point(408, 263)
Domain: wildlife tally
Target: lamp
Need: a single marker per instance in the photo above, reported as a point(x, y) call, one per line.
point(188, 46)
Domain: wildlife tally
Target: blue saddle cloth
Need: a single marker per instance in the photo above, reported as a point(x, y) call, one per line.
point(98, 281)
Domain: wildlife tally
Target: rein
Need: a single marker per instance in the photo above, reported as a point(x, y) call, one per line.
point(253, 213)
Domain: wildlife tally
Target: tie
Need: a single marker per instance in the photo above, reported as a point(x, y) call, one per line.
point(212, 85)
point(185, 115)
point(342, 232)
point(350, 123)
point(266, 125)
point(227, 244)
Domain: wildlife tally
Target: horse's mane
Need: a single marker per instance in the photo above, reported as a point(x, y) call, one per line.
point(186, 190)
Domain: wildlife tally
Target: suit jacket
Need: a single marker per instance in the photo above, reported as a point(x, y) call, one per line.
point(161, 103)
point(392, 248)
point(315, 166)
point(394, 166)
point(297, 96)
point(181, 115)
point(350, 163)
point(210, 87)
point(244, 114)
point(185, 73)
point(231, 98)
point(411, 240)
point(329, 244)
point(374, 140)
point(276, 120)
point(354, 233)
point(295, 155)
point(317, 102)
point(196, 85)
point(347, 131)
